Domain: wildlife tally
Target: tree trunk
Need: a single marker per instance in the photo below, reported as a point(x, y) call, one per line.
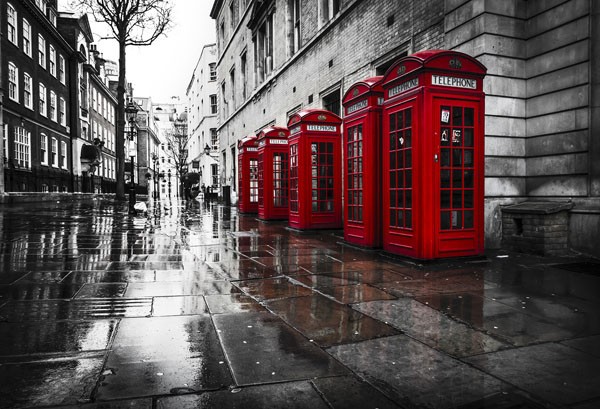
point(120, 137)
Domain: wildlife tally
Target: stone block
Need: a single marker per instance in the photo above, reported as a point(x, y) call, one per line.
point(559, 122)
point(556, 186)
point(505, 166)
point(575, 163)
point(505, 87)
point(504, 186)
point(548, 18)
point(558, 37)
point(567, 77)
point(503, 106)
point(571, 98)
point(505, 146)
point(559, 58)
point(556, 144)
point(504, 126)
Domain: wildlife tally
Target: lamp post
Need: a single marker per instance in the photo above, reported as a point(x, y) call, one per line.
point(169, 173)
point(131, 111)
point(154, 161)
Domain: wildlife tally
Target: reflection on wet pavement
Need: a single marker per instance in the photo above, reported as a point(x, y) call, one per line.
point(198, 306)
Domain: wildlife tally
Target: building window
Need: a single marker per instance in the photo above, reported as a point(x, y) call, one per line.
point(213, 71)
point(232, 82)
point(42, 100)
point(13, 82)
point(61, 69)
point(54, 152)
point(331, 102)
point(44, 149)
point(63, 154)
point(62, 112)
point(233, 14)
point(214, 170)
point(53, 113)
point(213, 104)
point(27, 97)
point(263, 50)
point(11, 20)
point(328, 9)
point(26, 37)
point(22, 151)
point(5, 140)
point(214, 141)
point(42, 51)
point(244, 73)
point(294, 37)
point(52, 60)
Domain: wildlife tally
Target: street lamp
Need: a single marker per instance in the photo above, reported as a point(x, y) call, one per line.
point(131, 111)
point(169, 173)
point(207, 150)
point(154, 162)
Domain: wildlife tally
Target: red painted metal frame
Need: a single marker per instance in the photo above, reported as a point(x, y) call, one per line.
point(248, 174)
point(273, 181)
point(423, 83)
point(315, 135)
point(362, 163)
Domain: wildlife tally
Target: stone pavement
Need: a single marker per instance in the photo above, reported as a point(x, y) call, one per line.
point(196, 306)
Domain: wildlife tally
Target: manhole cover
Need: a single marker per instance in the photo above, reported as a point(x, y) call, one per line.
point(587, 267)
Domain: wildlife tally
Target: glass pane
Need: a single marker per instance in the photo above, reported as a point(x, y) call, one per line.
point(445, 157)
point(445, 137)
point(445, 178)
point(392, 217)
point(468, 199)
point(445, 115)
point(456, 157)
point(457, 116)
point(400, 218)
point(445, 222)
point(392, 123)
point(457, 199)
point(408, 198)
point(468, 219)
point(468, 178)
point(457, 178)
point(469, 116)
point(393, 141)
point(468, 157)
point(400, 162)
point(393, 179)
point(408, 158)
point(400, 120)
point(407, 138)
point(408, 179)
point(393, 164)
point(408, 118)
point(408, 221)
point(456, 219)
point(392, 198)
point(469, 137)
point(445, 199)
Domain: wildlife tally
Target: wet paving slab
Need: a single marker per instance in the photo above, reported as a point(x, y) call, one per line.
point(261, 348)
point(546, 370)
point(63, 380)
point(198, 306)
point(327, 322)
point(415, 375)
point(194, 361)
point(431, 327)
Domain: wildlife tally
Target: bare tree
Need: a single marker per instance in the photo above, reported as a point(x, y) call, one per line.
point(177, 148)
point(131, 22)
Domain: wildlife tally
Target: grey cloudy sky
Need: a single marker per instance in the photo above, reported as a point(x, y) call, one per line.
point(165, 68)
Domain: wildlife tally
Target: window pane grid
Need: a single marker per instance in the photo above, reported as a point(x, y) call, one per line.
point(253, 181)
point(400, 174)
point(294, 177)
point(457, 168)
point(354, 162)
point(280, 179)
point(322, 176)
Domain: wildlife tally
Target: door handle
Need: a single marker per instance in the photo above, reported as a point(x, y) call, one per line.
point(435, 157)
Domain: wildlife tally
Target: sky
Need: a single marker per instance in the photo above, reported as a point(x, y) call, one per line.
point(164, 69)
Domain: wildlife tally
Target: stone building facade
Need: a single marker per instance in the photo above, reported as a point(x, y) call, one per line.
point(542, 118)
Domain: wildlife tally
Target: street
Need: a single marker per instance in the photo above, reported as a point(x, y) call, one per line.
point(196, 306)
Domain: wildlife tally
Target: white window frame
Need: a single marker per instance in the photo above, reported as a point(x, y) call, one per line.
point(26, 37)
point(42, 51)
point(52, 60)
point(22, 147)
point(54, 152)
point(61, 69)
point(27, 91)
point(63, 154)
point(11, 22)
point(53, 108)
point(44, 149)
point(62, 111)
point(42, 98)
point(13, 82)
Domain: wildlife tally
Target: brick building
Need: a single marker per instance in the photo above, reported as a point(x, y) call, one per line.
point(202, 105)
point(36, 111)
point(542, 118)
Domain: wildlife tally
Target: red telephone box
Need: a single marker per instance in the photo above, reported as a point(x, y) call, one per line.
point(315, 170)
point(433, 156)
point(248, 174)
point(273, 173)
point(362, 166)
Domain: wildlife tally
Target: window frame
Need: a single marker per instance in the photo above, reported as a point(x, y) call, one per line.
point(63, 154)
point(27, 91)
point(44, 149)
point(52, 60)
point(54, 152)
point(43, 100)
point(12, 24)
point(26, 37)
point(13, 81)
point(42, 51)
point(62, 111)
point(61, 69)
point(53, 114)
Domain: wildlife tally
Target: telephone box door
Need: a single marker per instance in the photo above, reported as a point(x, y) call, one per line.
point(459, 164)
